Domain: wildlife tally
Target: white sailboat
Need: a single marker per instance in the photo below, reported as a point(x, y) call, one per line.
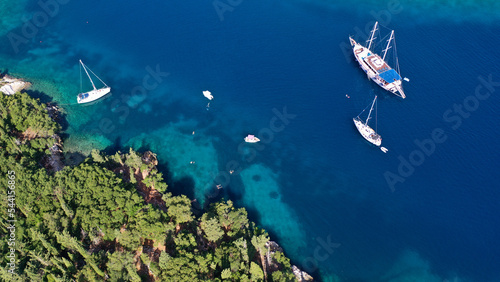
point(94, 94)
point(376, 67)
point(366, 131)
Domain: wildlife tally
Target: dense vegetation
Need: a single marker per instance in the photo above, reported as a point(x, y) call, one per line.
point(25, 127)
point(112, 218)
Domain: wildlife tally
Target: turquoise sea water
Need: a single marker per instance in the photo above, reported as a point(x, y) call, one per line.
point(281, 70)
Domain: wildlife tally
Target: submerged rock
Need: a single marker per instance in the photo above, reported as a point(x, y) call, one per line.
point(54, 112)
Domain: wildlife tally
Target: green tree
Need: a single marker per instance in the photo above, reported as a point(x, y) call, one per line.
point(97, 157)
point(226, 273)
point(117, 267)
point(233, 220)
point(212, 229)
point(259, 242)
point(178, 208)
point(164, 260)
point(241, 244)
point(133, 160)
point(87, 223)
point(256, 272)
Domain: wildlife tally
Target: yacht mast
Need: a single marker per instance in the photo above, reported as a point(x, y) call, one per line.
point(388, 43)
point(88, 74)
point(371, 37)
point(368, 118)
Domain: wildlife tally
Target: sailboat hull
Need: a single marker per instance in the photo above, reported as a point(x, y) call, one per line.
point(377, 69)
point(367, 132)
point(92, 95)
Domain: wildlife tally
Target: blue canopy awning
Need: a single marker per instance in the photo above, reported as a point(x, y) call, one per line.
point(390, 76)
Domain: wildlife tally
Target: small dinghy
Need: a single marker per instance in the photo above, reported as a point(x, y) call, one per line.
point(208, 95)
point(251, 139)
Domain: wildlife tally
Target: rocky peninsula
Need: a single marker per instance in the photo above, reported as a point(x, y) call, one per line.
point(10, 85)
point(112, 217)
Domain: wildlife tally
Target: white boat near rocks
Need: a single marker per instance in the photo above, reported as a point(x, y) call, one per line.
point(92, 95)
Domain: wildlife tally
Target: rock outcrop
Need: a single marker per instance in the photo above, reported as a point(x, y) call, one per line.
point(272, 265)
point(54, 112)
point(54, 162)
point(301, 275)
point(10, 85)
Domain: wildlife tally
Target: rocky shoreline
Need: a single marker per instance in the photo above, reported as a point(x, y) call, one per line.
point(272, 265)
point(10, 85)
point(56, 162)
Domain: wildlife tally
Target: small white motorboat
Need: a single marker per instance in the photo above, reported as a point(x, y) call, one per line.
point(251, 139)
point(208, 95)
point(384, 149)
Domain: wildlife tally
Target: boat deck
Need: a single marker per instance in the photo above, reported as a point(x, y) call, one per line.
point(377, 63)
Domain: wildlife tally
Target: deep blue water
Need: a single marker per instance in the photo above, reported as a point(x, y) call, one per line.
point(329, 184)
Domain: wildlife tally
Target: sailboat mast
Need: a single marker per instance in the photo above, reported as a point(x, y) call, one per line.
point(368, 118)
point(371, 36)
point(376, 116)
point(88, 74)
point(81, 80)
point(388, 43)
